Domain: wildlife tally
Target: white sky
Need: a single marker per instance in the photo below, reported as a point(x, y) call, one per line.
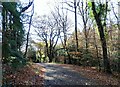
point(44, 7)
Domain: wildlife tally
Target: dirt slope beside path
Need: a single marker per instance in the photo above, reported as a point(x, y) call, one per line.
point(63, 75)
point(30, 75)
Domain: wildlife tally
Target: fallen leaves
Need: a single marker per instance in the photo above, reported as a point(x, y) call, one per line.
point(31, 74)
point(93, 73)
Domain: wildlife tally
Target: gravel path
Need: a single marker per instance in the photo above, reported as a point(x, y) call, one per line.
point(61, 75)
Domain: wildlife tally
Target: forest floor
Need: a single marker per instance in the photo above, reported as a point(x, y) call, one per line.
point(92, 73)
point(30, 75)
point(44, 74)
point(66, 74)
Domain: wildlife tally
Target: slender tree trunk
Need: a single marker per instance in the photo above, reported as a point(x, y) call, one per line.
point(3, 33)
point(40, 55)
point(118, 49)
point(26, 49)
point(76, 37)
point(47, 49)
point(84, 15)
point(96, 47)
point(65, 39)
point(69, 58)
point(118, 38)
point(86, 39)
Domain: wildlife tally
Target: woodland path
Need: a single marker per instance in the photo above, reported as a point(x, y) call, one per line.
point(61, 75)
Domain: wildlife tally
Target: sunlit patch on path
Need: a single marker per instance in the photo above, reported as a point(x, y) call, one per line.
point(60, 75)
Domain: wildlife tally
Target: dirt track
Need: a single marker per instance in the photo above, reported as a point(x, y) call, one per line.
point(61, 75)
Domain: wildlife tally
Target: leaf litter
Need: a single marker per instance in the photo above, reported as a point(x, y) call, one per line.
point(31, 74)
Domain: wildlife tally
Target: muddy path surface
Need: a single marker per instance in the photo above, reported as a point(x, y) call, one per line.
point(62, 75)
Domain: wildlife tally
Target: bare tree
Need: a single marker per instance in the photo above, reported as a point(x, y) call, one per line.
point(83, 9)
point(26, 7)
point(74, 5)
point(65, 24)
point(30, 21)
point(49, 31)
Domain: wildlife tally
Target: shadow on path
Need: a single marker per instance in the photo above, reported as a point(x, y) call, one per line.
point(60, 75)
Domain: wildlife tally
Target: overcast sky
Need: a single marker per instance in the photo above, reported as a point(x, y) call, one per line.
point(44, 7)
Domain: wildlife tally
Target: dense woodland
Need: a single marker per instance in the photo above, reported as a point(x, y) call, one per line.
point(97, 44)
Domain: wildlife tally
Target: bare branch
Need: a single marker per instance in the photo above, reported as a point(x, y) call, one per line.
point(69, 4)
point(26, 7)
point(114, 11)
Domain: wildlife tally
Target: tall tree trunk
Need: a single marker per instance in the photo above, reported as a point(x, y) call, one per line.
point(118, 37)
point(26, 49)
point(50, 51)
point(96, 47)
point(76, 37)
point(3, 33)
point(64, 44)
point(103, 39)
point(47, 49)
point(66, 49)
point(86, 38)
